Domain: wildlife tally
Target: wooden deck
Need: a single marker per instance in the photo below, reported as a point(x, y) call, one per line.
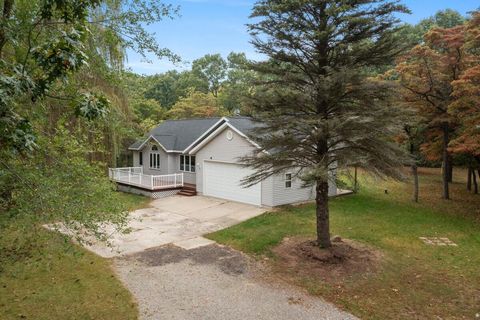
point(134, 176)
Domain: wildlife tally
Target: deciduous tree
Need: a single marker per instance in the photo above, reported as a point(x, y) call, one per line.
point(196, 105)
point(60, 109)
point(426, 74)
point(213, 68)
point(466, 107)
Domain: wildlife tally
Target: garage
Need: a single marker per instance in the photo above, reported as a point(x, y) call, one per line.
point(222, 180)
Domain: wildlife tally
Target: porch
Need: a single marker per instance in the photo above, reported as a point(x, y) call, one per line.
point(133, 176)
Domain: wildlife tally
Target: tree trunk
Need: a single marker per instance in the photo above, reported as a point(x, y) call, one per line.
point(445, 158)
point(6, 14)
point(475, 184)
point(323, 223)
point(415, 182)
point(355, 183)
point(469, 178)
point(450, 169)
point(478, 172)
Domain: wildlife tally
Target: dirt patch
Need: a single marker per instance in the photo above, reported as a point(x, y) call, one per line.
point(228, 260)
point(344, 259)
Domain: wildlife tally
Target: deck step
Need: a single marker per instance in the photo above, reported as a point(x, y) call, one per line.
point(188, 190)
point(187, 193)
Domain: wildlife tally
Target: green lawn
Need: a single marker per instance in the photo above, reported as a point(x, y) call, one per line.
point(415, 280)
point(47, 278)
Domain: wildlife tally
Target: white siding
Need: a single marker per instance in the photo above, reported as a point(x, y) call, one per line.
point(172, 163)
point(188, 177)
point(169, 164)
point(222, 149)
point(267, 192)
point(273, 191)
point(223, 180)
point(283, 195)
point(146, 160)
point(296, 193)
point(136, 162)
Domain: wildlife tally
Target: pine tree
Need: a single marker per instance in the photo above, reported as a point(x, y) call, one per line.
point(318, 105)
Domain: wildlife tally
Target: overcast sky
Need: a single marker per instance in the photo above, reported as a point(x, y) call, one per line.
point(218, 26)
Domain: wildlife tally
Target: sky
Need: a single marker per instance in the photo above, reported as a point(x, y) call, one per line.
point(219, 26)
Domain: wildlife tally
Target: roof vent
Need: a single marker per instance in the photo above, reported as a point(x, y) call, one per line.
point(229, 135)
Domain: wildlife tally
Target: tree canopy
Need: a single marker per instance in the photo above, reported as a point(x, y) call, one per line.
point(428, 74)
point(63, 117)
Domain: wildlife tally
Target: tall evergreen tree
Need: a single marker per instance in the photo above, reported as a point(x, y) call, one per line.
point(318, 106)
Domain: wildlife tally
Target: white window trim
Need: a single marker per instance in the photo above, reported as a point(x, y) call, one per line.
point(189, 162)
point(154, 153)
point(288, 180)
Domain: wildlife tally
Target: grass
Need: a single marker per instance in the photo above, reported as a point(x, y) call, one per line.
point(132, 201)
point(49, 278)
point(415, 280)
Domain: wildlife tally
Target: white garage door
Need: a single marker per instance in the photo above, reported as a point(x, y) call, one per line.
point(222, 180)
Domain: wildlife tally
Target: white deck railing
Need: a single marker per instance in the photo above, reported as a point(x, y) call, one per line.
point(134, 176)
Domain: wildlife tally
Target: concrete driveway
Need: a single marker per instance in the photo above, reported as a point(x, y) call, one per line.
point(177, 220)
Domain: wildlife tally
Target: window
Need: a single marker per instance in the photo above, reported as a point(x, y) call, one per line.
point(192, 163)
point(154, 158)
point(187, 163)
point(140, 158)
point(288, 180)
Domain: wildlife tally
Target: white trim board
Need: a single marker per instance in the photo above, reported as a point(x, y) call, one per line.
point(150, 138)
point(217, 132)
point(205, 134)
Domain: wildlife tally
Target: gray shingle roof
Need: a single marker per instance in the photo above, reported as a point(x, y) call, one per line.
point(244, 124)
point(177, 135)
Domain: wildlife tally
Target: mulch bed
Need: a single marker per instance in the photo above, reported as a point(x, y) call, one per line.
point(303, 257)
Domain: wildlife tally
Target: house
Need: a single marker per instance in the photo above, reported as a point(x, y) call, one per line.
point(202, 156)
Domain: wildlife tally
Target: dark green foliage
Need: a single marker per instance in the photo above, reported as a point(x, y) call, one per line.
point(58, 185)
point(236, 88)
point(63, 117)
point(57, 59)
point(56, 53)
point(412, 35)
point(318, 106)
point(43, 44)
point(169, 87)
point(213, 69)
point(227, 80)
point(92, 106)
